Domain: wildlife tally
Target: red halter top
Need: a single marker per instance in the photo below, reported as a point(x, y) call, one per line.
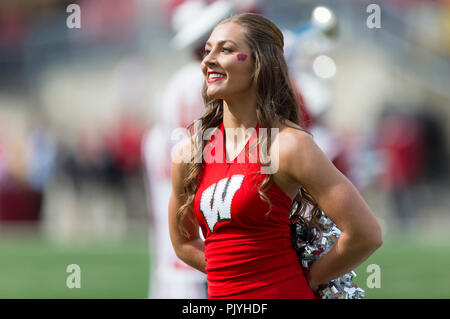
point(248, 252)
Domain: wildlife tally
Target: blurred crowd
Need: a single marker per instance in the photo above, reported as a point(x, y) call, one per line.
point(77, 106)
point(35, 159)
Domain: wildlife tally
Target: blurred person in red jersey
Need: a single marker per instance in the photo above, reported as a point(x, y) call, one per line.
point(401, 142)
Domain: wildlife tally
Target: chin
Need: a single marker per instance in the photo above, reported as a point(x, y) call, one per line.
point(214, 95)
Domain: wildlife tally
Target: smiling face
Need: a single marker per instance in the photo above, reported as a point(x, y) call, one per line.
point(227, 65)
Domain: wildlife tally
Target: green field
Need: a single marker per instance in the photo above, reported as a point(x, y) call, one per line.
point(33, 267)
point(411, 267)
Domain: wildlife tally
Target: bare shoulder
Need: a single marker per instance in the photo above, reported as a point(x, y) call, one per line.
point(293, 139)
point(299, 155)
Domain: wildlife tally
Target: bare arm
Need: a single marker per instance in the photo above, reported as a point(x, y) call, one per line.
point(341, 202)
point(190, 250)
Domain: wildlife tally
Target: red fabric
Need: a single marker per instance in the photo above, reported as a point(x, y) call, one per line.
point(249, 255)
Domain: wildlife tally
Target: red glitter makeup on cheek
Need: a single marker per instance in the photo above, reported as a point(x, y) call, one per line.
point(242, 57)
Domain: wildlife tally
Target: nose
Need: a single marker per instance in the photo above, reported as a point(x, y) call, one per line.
point(210, 59)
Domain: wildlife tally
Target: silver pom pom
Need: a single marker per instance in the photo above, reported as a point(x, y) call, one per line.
point(310, 245)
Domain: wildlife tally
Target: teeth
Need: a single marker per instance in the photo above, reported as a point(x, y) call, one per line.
point(215, 75)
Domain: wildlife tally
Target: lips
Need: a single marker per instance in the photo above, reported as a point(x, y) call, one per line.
point(215, 76)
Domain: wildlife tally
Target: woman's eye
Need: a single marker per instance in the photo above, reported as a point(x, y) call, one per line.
point(227, 50)
point(206, 52)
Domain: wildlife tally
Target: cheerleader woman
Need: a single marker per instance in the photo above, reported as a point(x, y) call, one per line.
point(241, 203)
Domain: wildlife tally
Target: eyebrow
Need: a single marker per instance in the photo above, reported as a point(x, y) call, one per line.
point(223, 41)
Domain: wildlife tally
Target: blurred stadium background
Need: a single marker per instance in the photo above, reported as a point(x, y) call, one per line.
point(75, 104)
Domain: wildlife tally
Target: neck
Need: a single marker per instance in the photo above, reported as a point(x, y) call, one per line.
point(240, 112)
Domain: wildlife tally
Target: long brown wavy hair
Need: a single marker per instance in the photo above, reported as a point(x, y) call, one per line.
point(276, 101)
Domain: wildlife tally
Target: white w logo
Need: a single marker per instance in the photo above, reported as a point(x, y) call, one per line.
point(215, 203)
